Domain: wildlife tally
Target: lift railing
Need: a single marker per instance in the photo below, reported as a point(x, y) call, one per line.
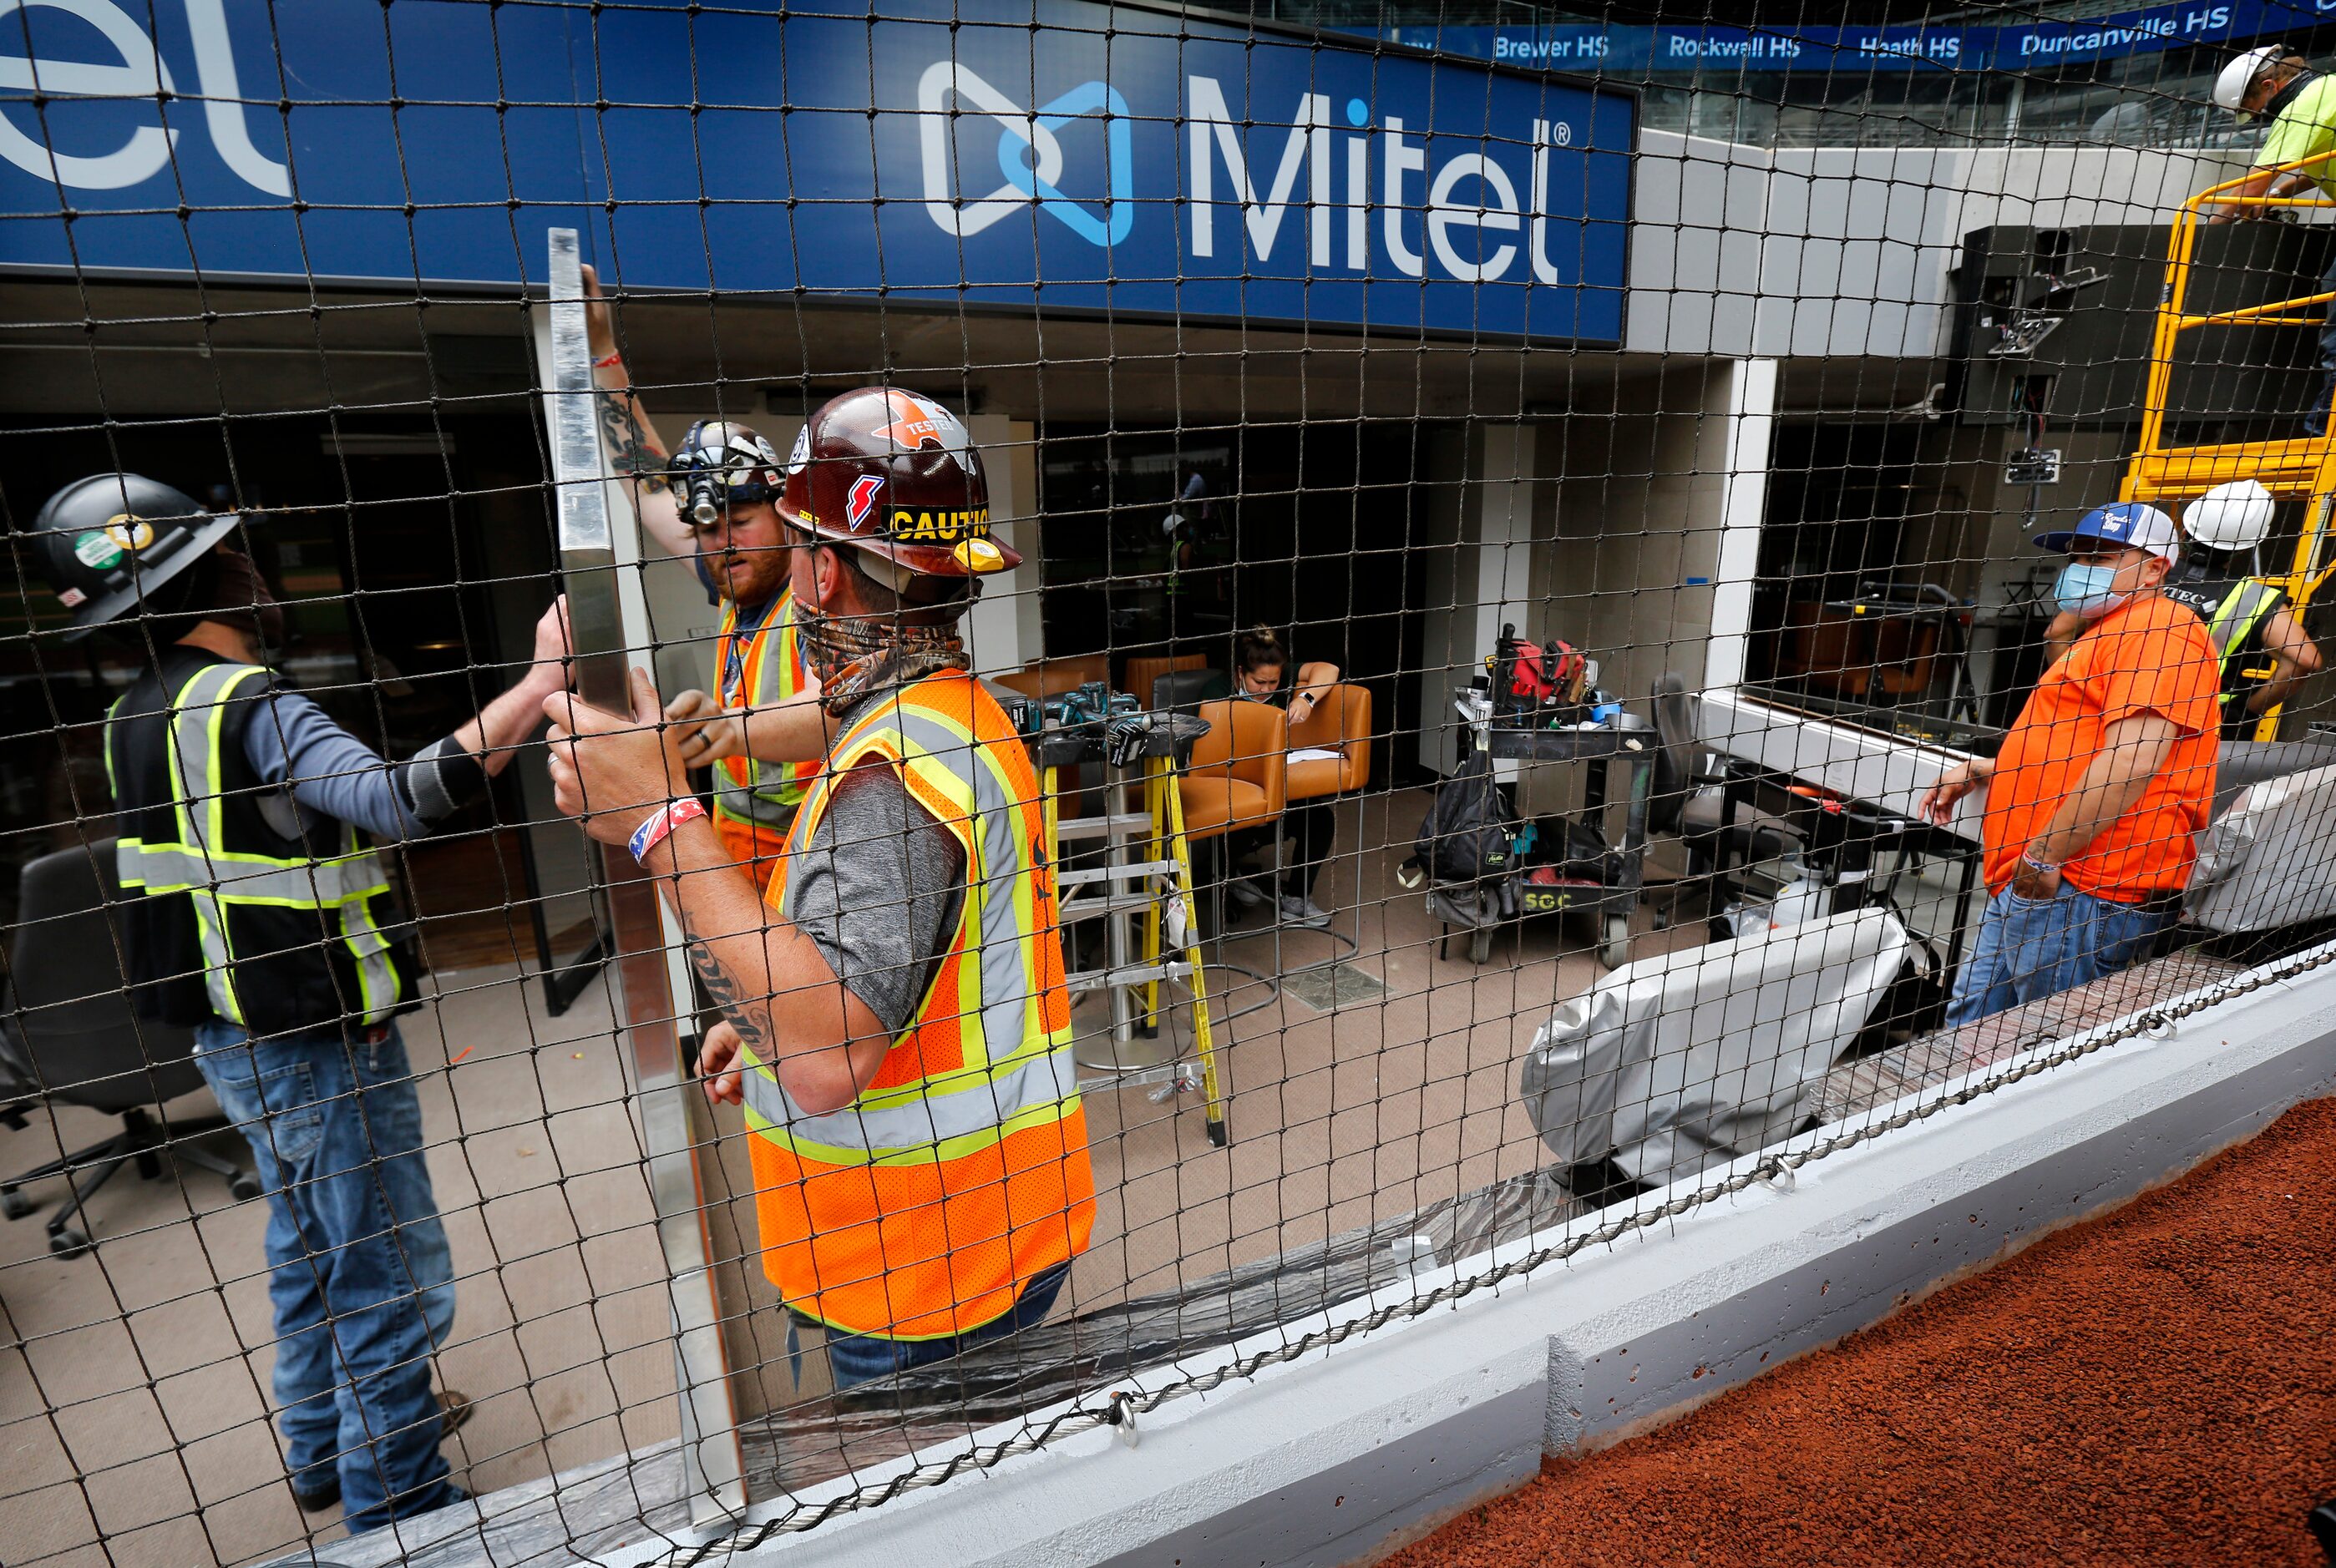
point(2300, 465)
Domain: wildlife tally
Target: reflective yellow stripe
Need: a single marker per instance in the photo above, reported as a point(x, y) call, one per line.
point(214, 878)
point(1000, 995)
point(933, 1150)
point(2235, 617)
point(770, 792)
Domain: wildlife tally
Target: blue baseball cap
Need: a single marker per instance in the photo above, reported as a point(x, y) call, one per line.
point(2123, 525)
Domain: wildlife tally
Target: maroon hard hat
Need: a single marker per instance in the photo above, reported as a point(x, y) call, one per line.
point(895, 473)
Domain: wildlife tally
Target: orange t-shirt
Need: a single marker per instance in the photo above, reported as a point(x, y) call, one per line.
point(2150, 656)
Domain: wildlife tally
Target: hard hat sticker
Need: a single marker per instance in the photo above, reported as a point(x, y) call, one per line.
point(916, 424)
point(132, 533)
point(864, 495)
point(96, 550)
point(939, 527)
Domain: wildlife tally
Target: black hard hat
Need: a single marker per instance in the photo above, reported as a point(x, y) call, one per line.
point(106, 543)
point(721, 463)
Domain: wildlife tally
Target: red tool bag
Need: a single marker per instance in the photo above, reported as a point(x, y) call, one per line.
point(1539, 674)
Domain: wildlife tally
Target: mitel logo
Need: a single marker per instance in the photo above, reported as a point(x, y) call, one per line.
point(1029, 154)
point(135, 71)
point(1361, 195)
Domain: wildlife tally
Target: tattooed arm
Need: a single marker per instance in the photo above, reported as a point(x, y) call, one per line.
point(778, 996)
point(774, 985)
point(635, 449)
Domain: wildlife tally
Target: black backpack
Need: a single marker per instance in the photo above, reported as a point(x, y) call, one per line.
point(1469, 833)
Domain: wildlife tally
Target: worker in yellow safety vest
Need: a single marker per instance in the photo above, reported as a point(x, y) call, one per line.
point(897, 1023)
point(714, 500)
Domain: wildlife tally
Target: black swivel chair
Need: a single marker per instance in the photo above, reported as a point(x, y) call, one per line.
point(1183, 691)
point(1690, 801)
point(68, 1030)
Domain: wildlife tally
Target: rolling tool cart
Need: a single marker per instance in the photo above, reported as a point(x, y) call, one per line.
point(1561, 864)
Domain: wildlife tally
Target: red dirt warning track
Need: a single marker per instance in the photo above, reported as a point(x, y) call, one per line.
point(2157, 1387)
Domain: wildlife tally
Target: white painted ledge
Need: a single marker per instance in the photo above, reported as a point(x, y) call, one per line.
point(1325, 1460)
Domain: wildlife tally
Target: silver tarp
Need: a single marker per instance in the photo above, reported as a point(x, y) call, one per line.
point(1679, 1062)
point(2269, 859)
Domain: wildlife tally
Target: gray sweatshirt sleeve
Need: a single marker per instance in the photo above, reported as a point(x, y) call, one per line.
point(331, 772)
point(878, 888)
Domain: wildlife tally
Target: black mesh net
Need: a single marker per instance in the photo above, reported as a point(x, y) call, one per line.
point(750, 753)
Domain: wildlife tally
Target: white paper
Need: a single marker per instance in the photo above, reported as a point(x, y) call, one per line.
point(1315, 754)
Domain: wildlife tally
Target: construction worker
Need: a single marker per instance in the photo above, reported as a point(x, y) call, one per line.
point(2272, 81)
point(2265, 655)
point(2097, 795)
point(898, 1027)
point(257, 917)
point(713, 501)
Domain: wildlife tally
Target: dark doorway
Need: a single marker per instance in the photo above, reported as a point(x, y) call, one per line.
point(1306, 528)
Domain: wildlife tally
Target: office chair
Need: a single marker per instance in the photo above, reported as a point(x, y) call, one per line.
point(1183, 691)
point(1690, 802)
point(1144, 668)
point(68, 1030)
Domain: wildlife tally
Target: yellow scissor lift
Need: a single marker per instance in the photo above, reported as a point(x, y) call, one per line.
point(2303, 467)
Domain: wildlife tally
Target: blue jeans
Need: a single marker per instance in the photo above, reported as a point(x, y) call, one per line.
point(858, 1358)
point(2027, 949)
point(361, 1279)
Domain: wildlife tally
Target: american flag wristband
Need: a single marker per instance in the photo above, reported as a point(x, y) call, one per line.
point(660, 822)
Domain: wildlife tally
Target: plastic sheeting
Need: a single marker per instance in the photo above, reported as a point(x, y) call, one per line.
point(2269, 860)
point(1677, 1063)
point(819, 1438)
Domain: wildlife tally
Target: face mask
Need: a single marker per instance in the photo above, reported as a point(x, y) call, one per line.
point(853, 656)
point(2087, 591)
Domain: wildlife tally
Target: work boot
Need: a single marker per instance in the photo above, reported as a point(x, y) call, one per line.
point(454, 1410)
point(1247, 893)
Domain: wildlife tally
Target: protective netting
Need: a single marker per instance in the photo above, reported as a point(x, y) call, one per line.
point(1227, 678)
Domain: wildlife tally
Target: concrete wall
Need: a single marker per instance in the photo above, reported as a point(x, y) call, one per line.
point(1484, 510)
point(1744, 251)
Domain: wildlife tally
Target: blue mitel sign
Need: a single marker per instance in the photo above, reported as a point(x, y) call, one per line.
point(1107, 158)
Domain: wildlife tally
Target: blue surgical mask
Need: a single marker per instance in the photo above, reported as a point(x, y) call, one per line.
point(2086, 591)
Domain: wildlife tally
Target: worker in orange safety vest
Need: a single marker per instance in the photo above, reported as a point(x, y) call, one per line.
point(897, 1023)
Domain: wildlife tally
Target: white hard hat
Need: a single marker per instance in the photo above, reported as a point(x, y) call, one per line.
point(2233, 516)
point(2230, 86)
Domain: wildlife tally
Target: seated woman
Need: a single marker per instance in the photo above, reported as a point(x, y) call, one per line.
point(1261, 674)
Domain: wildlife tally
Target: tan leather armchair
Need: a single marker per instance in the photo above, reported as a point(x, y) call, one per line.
point(1340, 722)
point(1053, 677)
point(1238, 776)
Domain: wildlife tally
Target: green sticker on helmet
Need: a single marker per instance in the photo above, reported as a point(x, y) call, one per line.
point(97, 551)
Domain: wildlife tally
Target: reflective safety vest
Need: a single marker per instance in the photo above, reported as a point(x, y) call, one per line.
point(2236, 611)
point(923, 1208)
point(755, 802)
point(245, 915)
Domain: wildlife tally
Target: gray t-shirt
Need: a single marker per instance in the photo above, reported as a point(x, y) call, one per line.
point(878, 887)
